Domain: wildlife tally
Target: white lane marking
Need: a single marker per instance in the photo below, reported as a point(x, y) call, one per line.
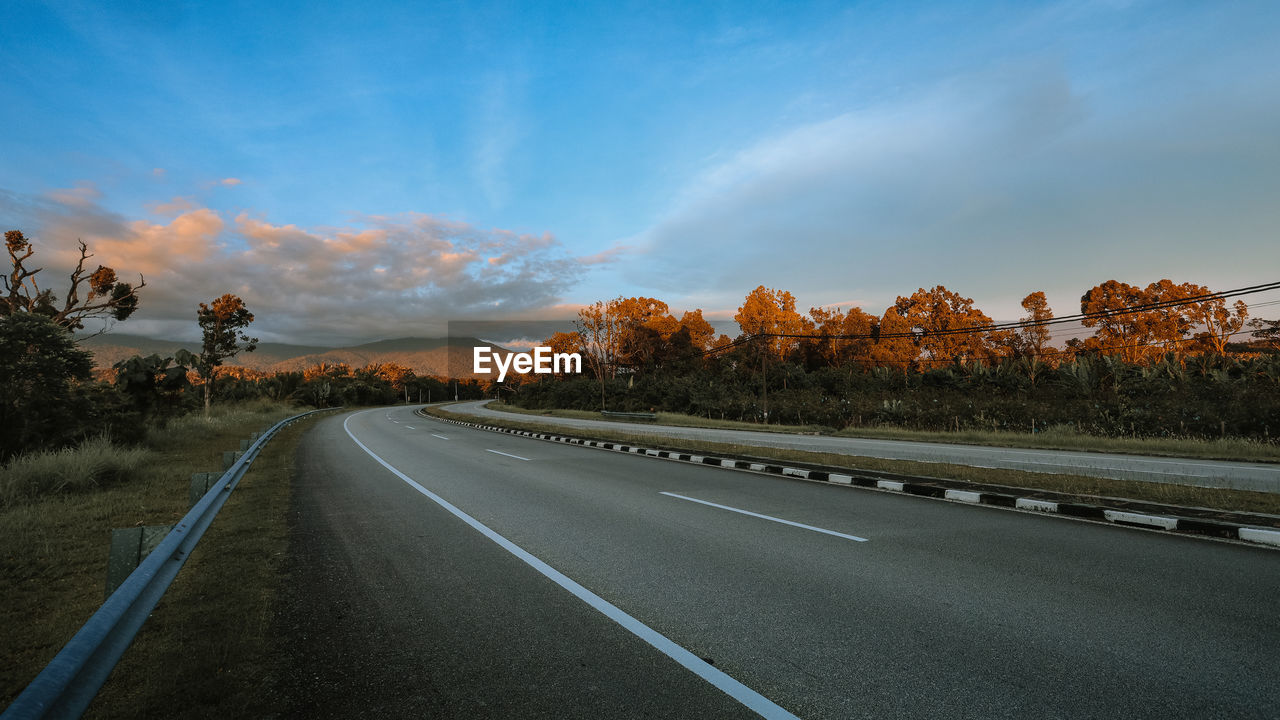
point(442, 437)
point(410, 427)
point(499, 452)
point(734, 689)
point(767, 517)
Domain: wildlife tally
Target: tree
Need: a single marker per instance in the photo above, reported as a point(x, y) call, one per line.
point(597, 326)
point(765, 312)
point(942, 321)
point(1268, 331)
point(860, 326)
point(1218, 323)
point(643, 327)
point(222, 326)
point(893, 345)
point(104, 294)
point(154, 383)
point(1141, 324)
point(1109, 307)
point(1033, 335)
point(701, 334)
point(41, 366)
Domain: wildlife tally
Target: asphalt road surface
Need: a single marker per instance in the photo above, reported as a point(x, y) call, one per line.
point(440, 571)
point(1204, 473)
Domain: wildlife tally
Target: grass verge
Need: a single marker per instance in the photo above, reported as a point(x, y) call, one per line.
point(204, 650)
point(1085, 488)
point(1057, 437)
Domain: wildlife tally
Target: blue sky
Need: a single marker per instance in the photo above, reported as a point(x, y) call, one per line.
point(373, 170)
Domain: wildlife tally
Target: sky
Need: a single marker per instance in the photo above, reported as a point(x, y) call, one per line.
point(361, 171)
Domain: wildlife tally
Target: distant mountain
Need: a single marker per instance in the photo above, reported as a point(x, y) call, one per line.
point(425, 356)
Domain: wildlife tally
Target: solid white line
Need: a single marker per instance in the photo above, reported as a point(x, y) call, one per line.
point(499, 452)
point(439, 436)
point(767, 517)
point(743, 694)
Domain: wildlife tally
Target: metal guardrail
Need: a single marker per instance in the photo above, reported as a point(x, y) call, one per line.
point(72, 679)
point(630, 415)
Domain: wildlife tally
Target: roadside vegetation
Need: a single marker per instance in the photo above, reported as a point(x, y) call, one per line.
point(55, 546)
point(86, 450)
point(1170, 368)
point(1084, 488)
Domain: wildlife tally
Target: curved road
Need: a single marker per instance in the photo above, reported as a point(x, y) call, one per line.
point(442, 571)
point(1203, 473)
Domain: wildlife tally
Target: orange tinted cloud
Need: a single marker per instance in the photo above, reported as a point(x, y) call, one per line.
point(173, 207)
point(382, 276)
point(83, 195)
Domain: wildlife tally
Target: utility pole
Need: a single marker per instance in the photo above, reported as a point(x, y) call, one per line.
point(764, 385)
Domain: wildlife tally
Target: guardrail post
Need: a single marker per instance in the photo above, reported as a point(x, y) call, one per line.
point(229, 458)
point(129, 546)
point(200, 484)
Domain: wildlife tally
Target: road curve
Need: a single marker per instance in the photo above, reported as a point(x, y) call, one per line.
point(1184, 471)
point(827, 602)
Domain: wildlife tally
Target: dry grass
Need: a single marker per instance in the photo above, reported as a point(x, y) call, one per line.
point(1058, 437)
point(91, 464)
point(53, 551)
point(1084, 487)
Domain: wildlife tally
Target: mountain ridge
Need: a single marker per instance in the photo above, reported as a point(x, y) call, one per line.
point(423, 355)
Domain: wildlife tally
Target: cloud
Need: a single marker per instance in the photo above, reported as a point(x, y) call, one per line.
point(175, 206)
point(498, 132)
point(604, 257)
point(381, 276)
point(83, 195)
point(996, 185)
point(229, 181)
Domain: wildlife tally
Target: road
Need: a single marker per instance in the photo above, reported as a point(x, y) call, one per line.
point(463, 573)
point(1184, 471)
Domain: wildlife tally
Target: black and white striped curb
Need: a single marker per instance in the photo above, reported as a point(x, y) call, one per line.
point(1166, 520)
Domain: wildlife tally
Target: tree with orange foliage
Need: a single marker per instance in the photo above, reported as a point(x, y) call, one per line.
point(1109, 307)
point(767, 312)
point(701, 334)
point(1033, 336)
point(935, 316)
point(222, 325)
point(839, 351)
point(326, 371)
point(893, 345)
point(1140, 324)
point(644, 324)
point(1217, 322)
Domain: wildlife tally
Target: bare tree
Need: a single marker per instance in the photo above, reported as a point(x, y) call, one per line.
point(103, 294)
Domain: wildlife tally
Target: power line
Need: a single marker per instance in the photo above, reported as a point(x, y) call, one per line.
point(996, 327)
point(1020, 324)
